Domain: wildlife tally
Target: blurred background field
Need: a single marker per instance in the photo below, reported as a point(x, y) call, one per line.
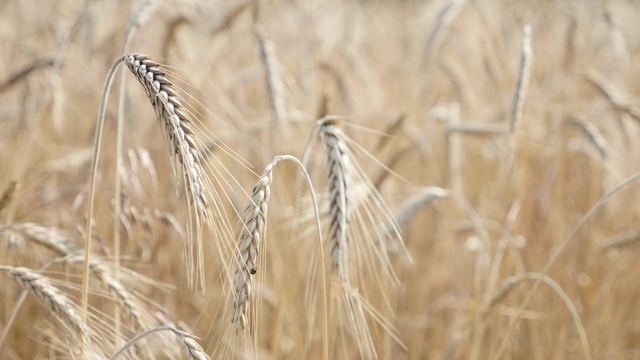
point(510, 259)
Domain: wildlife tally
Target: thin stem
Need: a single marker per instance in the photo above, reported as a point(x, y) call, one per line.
point(136, 338)
point(552, 260)
point(94, 170)
point(325, 338)
point(117, 208)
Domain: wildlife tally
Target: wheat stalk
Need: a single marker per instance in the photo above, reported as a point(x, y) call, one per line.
point(192, 348)
point(553, 258)
point(49, 295)
point(511, 282)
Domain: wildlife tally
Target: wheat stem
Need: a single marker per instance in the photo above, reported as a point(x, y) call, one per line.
point(556, 253)
point(194, 350)
point(94, 170)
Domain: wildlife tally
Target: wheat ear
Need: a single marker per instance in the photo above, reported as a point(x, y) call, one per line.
point(523, 78)
point(412, 207)
point(270, 63)
point(253, 226)
point(179, 129)
point(253, 229)
point(48, 295)
point(178, 125)
point(57, 242)
point(592, 133)
point(338, 162)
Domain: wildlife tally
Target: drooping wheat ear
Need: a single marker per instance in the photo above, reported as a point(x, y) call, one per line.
point(618, 99)
point(411, 208)
point(179, 128)
point(339, 164)
point(49, 295)
point(251, 234)
point(7, 194)
point(193, 350)
point(592, 133)
point(59, 243)
point(178, 125)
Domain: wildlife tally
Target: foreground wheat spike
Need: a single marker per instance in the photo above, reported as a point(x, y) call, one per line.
point(339, 163)
point(179, 129)
point(49, 295)
point(362, 231)
point(253, 226)
point(178, 125)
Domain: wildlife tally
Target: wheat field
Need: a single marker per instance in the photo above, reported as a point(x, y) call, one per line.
point(447, 179)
